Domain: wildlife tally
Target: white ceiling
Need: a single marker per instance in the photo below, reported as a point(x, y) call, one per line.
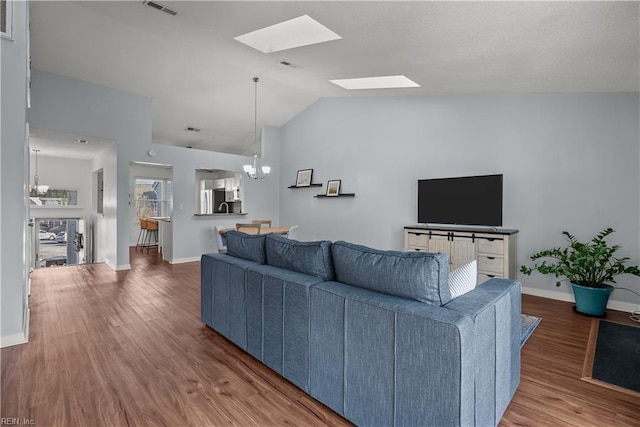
point(199, 76)
point(58, 144)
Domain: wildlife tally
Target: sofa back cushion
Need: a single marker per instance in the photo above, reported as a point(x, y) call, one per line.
point(246, 246)
point(312, 258)
point(421, 276)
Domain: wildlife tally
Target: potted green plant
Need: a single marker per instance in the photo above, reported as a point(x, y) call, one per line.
point(590, 267)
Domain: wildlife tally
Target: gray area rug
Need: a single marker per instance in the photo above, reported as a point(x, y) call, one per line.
point(529, 324)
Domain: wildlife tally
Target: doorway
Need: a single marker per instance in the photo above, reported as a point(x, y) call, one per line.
point(61, 241)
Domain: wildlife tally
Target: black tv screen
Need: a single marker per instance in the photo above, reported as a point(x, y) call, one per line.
point(468, 200)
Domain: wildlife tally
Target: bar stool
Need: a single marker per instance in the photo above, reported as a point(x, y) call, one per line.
point(142, 234)
point(152, 231)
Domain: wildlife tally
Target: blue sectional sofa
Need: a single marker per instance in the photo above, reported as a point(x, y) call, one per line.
point(374, 335)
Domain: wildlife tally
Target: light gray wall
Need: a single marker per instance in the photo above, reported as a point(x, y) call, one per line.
point(76, 107)
point(570, 161)
point(14, 158)
point(81, 108)
point(62, 173)
point(105, 224)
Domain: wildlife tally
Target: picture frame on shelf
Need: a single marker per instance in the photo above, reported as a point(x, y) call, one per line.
point(303, 178)
point(333, 188)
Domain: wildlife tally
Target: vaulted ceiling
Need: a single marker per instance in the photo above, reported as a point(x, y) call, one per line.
point(199, 76)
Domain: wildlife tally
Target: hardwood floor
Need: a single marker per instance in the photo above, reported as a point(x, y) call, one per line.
point(128, 348)
point(551, 392)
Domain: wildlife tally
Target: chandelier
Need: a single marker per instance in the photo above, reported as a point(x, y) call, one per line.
point(254, 171)
point(36, 187)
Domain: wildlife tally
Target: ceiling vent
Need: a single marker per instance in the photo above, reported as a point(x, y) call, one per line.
point(192, 129)
point(158, 6)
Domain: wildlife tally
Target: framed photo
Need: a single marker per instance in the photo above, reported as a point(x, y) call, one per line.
point(304, 178)
point(333, 188)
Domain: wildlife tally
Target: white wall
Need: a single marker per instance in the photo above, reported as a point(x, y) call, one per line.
point(570, 161)
point(76, 107)
point(13, 157)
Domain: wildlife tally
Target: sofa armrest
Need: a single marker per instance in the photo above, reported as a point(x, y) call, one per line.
point(484, 295)
point(495, 307)
point(222, 295)
point(414, 359)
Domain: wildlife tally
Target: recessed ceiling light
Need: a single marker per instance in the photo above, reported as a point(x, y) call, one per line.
point(383, 82)
point(296, 32)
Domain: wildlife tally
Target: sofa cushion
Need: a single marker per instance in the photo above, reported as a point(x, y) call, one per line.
point(421, 276)
point(463, 279)
point(246, 246)
point(312, 258)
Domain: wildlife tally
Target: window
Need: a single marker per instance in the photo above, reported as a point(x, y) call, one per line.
point(5, 18)
point(153, 198)
point(54, 197)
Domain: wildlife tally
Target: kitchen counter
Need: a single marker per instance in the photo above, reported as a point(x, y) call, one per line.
point(222, 214)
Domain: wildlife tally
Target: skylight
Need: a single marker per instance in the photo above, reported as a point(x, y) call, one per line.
point(296, 32)
point(382, 82)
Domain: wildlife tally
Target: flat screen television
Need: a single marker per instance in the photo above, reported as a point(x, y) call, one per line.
point(467, 200)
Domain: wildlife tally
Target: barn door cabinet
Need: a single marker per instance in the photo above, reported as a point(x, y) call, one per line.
point(493, 249)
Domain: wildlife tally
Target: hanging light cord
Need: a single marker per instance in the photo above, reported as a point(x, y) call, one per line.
point(253, 171)
point(255, 114)
point(35, 177)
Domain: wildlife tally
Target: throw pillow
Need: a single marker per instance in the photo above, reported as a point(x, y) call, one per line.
point(421, 276)
point(463, 279)
point(313, 258)
point(246, 246)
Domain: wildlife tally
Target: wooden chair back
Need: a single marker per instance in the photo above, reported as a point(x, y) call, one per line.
point(248, 228)
point(152, 225)
point(266, 222)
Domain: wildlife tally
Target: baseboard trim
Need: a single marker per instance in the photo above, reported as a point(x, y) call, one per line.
point(115, 267)
point(564, 296)
point(183, 260)
point(13, 339)
point(25, 322)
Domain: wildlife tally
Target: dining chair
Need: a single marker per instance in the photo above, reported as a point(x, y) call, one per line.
point(293, 232)
point(220, 240)
point(266, 222)
point(248, 228)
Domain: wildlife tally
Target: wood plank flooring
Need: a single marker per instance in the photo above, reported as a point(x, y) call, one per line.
point(128, 349)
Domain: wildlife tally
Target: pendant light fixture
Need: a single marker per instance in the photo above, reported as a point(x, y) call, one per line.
point(254, 171)
point(37, 188)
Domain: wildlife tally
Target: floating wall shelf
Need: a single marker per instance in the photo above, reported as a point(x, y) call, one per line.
point(305, 186)
point(339, 195)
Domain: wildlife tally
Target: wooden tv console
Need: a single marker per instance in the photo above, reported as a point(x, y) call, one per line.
point(493, 249)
